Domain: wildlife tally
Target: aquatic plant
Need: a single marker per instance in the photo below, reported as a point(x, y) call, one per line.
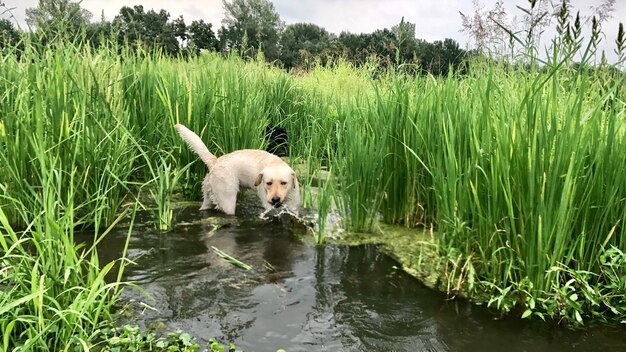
point(161, 187)
point(54, 294)
point(325, 200)
point(230, 259)
point(132, 339)
point(63, 116)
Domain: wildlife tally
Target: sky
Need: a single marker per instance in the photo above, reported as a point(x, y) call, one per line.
point(434, 19)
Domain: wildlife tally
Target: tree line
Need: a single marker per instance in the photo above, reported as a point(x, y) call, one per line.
point(249, 28)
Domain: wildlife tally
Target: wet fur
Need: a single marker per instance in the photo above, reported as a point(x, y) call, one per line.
point(274, 180)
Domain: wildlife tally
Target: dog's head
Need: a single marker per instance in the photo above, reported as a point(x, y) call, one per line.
point(277, 181)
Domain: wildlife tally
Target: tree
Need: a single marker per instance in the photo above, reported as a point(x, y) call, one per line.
point(9, 36)
point(353, 47)
point(99, 33)
point(359, 48)
point(201, 36)
point(301, 42)
point(437, 57)
point(52, 18)
point(251, 24)
point(383, 44)
point(150, 28)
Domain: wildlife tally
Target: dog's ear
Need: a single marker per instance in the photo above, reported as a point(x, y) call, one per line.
point(259, 179)
point(294, 180)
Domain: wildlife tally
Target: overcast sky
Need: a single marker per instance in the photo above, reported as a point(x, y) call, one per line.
point(434, 19)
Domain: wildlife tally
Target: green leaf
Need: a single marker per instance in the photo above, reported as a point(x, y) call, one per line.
point(114, 340)
point(578, 317)
point(185, 338)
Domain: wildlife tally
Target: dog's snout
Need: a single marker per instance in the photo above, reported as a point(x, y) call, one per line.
point(275, 200)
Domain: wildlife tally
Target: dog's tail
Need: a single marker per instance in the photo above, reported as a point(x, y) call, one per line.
point(195, 143)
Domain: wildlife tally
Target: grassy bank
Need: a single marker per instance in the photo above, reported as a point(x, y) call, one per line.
point(519, 171)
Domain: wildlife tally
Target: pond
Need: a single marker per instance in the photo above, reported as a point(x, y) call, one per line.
point(303, 297)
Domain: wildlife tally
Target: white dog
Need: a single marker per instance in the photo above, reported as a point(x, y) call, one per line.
point(274, 180)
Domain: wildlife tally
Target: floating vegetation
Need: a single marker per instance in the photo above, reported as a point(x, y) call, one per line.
point(230, 259)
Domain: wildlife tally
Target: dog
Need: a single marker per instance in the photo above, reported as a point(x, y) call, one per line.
point(274, 180)
point(277, 140)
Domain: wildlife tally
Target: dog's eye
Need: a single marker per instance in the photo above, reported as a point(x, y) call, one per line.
point(269, 183)
point(283, 183)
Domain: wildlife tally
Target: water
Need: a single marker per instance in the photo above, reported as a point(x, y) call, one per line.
point(305, 298)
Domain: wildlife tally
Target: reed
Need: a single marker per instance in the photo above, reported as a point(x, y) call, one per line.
point(522, 167)
point(162, 187)
point(358, 162)
point(230, 259)
point(64, 114)
point(403, 105)
point(517, 168)
point(54, 293)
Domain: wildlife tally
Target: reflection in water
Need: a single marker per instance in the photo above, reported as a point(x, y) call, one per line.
point(306, 298)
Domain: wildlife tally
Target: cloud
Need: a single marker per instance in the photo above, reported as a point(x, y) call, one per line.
point(208, 10)
point(434, 20)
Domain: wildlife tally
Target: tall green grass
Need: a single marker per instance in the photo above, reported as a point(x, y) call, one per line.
point(528, 174)
point(54, 296)
point(519, 169)
point(62, 114)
